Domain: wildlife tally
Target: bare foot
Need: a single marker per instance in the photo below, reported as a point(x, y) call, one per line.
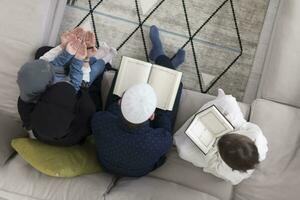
point(81, 53)
point(90, 39)
point(79, 33)
point(72, 47)
point(65, 38)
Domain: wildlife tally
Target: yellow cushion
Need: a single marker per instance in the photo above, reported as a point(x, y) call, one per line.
point(58, 161)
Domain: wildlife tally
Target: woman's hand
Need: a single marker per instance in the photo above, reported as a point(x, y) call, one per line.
point(65, 38)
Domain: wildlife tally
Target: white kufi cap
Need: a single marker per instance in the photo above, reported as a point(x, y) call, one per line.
point(138, 103)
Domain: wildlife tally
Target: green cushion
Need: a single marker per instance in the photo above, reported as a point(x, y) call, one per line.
point(58, 161)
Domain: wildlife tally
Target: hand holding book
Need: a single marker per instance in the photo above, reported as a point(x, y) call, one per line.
point(206, 127)
point(164, 81)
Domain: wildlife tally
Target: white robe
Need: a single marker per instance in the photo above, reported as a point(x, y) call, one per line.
point(212, 161)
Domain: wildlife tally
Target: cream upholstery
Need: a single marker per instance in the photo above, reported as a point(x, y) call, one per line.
point(278, 113)
point(281, 81)
point(18, 177)
point(24, 26)
point(148, 188)
point(278, 176)
point(184, 173)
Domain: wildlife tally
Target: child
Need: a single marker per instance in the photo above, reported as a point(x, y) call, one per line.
point(85, 64)
point(234, 156)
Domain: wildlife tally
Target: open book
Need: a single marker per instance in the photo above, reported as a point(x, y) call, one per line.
point(206, 127)
point(164, 81)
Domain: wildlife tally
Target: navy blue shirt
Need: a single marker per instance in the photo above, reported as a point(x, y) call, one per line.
point(127, 151)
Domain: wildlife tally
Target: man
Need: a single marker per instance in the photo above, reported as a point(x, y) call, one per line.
point(132, 136)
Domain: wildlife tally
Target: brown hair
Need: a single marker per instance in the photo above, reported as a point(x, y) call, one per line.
point(238, 151)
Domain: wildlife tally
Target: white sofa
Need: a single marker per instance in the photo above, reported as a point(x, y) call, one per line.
point(276, 111)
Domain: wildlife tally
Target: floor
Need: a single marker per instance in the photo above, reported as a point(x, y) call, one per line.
point(216, 45)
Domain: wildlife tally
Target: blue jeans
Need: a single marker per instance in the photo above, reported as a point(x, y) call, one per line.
point(97, 68)
point(75, 73)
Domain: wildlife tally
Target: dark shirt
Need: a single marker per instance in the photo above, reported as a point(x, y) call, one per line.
point(59, 118)
point(125, 150)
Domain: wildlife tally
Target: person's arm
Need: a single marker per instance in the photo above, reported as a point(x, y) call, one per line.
point(218, 168)
point(61, 59)
point(186, 149)
point(163, 143)
point(97, 68)
point(255, 133)
point(52, 54)
point(92, 60)
point(229, 107)
point(164, 140)
point(25, 109)
point(76, 73)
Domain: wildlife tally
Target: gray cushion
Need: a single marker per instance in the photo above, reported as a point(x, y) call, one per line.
point(19, 178)
point(147, 188)
point(281, 80)
point(9, 128)
point(184, 173)
point(277, 177)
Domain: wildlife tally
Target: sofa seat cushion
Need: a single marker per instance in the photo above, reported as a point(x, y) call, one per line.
point(277, 177)
point(148, 188)
point(19, 178)
point(184, 173)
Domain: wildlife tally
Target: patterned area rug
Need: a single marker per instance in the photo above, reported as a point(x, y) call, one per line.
point(215, 46)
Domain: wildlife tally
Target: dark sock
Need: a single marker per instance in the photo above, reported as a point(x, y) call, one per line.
point(179, 58)
point(157, 48)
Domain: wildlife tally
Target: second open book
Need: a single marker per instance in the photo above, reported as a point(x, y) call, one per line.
point(206, 127)
point(164, 81)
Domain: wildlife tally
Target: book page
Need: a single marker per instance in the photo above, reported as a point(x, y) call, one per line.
point(165, 83)
point(206, 126)
point(131, 72)
point(201, 132)
point(213, 124)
